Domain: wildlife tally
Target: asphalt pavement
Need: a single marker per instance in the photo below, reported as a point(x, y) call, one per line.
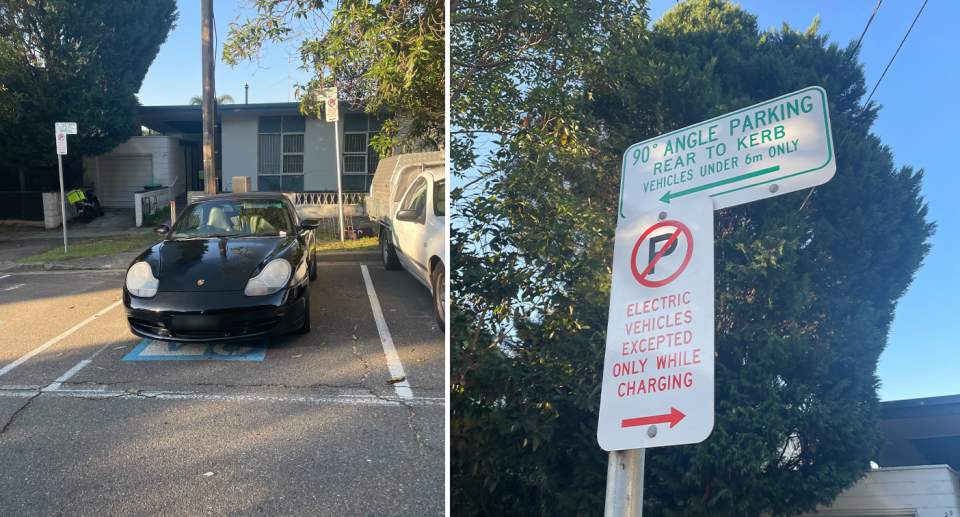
point(313, 428)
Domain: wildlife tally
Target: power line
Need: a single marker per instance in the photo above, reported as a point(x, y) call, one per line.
point(867, 103)
point(857, 120)
point(855, 49)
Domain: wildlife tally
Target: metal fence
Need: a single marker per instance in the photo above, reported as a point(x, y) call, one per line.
point(328, 198)
point(24, 206)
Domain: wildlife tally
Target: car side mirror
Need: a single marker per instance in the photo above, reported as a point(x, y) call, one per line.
point(310, 224)
point(163, 229)
point(408, 216)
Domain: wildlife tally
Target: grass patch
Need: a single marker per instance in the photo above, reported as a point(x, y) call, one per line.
point(364, 244)
point(107, 245)
point(162, 216)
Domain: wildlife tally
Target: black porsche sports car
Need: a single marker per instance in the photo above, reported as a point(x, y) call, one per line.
point(233, 266)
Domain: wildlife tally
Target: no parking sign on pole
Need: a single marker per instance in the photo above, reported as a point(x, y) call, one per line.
point(658, 370)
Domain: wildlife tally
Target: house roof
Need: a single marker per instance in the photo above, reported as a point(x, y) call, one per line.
point(188, 119)
point(921, 431)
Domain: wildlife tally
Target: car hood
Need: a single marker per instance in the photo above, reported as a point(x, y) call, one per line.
point(205, 265)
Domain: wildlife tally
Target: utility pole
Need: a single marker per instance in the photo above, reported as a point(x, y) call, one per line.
point(209, 105)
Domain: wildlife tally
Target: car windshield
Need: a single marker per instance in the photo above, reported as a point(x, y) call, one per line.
point(234, 218)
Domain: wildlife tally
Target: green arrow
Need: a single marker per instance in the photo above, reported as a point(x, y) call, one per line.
point(668, 196)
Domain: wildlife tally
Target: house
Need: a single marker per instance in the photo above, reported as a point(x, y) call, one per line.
point(273, 144)
point(917, 472)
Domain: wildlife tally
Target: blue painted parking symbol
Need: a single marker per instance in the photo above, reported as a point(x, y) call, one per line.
point(156, 350)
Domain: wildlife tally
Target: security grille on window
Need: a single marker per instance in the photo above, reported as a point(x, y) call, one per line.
point(359, 158)
point(280, 153)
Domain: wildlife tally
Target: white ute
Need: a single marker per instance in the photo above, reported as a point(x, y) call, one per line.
point(408, 199)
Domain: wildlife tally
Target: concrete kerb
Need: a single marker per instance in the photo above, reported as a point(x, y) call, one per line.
point(122, 261)
point(349, 256)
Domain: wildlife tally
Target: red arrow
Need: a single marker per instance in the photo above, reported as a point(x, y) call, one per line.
point(674, 417)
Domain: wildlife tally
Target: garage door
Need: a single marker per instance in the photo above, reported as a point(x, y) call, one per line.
point(122, 175)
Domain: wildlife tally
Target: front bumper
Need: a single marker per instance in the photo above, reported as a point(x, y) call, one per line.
point(215, 317)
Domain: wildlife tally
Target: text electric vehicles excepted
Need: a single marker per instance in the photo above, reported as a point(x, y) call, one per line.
point(408, 199)
point(233, 266)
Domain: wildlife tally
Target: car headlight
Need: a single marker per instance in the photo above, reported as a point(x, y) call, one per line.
point(140, 280)
point(273, 278)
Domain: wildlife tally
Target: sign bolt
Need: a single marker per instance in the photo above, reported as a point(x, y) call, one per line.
point(662, 216)
point(774, 187)
point(652, 431)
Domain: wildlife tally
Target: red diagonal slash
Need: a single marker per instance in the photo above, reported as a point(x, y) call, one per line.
point(673, 417)
point(662, 251)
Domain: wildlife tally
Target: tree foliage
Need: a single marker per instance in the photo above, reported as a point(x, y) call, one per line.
point(80, 61)
point(386, 56)
point(804, 297)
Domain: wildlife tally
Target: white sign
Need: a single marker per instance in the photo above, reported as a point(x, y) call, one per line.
point(61, 143)
point(330, 104)
point(658, 367)
point(735, 158)
point(67, 128)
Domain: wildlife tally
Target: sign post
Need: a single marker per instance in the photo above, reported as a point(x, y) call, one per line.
point(62, 129)
point(658, 378)
point(333, 115)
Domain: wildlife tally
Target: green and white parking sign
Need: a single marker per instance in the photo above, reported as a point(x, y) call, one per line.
point(768, 149)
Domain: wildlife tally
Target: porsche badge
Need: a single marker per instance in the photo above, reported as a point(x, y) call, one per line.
point(199, 282)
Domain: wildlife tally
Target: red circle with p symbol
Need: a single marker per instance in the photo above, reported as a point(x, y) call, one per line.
point(642, 276)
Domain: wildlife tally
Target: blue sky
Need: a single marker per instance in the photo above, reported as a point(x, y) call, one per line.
point(175, 75)
point(917, 121)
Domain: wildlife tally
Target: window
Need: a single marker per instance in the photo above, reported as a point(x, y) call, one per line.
point(439, 198)
point(360, 160)
point(280, 143)
point(416, 199)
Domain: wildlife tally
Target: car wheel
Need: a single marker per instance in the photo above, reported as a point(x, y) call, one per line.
point(388, 252)
point(305, 329)
point(439, 281)
point(313, 268)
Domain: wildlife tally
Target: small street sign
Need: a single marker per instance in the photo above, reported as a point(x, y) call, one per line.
point(772, 148)
point(67, 128)
point(330, 104)
point(61, 143)
point(658, 370)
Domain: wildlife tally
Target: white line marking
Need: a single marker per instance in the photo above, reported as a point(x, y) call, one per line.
point(343, 399)
point(4, 276)
point(393, 360)
point(54, 341)
point(55, 385)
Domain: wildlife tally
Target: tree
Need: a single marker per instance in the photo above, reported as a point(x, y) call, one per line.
point(74, 60)
point(222, 99)
point(386, 56)
point(804, 297)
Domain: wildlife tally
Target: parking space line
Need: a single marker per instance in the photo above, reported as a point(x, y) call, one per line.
point(341, 399)
point(55, 385)
point(390, 352)
point(48, 344)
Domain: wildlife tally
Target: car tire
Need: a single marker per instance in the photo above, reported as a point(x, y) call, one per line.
point(305, 329)
point(439, 282)
point(313, 266)
point(387, 252)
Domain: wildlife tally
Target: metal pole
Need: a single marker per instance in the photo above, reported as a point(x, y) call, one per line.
point(99, 185)
point(63, 203)
point(624, 484)
point(336, 130)
point(209, 107)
